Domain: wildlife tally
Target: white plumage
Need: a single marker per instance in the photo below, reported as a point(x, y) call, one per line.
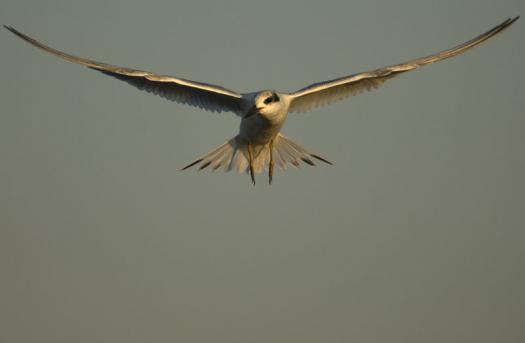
point(259, 144)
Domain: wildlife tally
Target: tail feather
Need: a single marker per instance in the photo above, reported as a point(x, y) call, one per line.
point(291, 152)
point(233, 154)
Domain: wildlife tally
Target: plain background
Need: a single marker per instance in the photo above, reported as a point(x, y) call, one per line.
point(416, 234)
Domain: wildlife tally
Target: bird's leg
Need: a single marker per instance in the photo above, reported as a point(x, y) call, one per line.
point(272, 163)
point(250, 157)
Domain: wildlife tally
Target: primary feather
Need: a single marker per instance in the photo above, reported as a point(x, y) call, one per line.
point(324, 93)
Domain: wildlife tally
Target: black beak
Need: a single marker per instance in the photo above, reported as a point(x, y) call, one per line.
point(252, 111)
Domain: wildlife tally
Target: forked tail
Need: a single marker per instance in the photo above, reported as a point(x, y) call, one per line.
point(235, 155)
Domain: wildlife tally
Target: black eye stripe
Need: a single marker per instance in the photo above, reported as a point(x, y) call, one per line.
point(271, 99)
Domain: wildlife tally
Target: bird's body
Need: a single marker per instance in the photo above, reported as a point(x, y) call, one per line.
point(262, 128)
point(259, 144)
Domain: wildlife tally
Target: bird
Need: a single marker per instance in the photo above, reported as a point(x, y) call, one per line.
point(259, 144)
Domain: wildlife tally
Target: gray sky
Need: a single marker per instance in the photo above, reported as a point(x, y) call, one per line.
point(414, 235)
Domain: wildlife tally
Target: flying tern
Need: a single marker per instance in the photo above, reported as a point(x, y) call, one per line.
point(259, 145)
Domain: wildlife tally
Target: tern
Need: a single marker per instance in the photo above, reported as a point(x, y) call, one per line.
point(259, 145)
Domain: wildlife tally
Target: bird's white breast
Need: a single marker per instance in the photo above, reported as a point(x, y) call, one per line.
point(259, 129)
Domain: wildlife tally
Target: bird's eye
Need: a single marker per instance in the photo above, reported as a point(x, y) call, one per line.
point(270, 99)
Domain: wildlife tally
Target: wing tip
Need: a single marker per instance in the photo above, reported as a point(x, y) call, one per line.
point(10, 28)
point(504, 25)
point(500, 28)
point(16, 32)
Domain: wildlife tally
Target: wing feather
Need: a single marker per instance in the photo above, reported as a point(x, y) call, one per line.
point(324, 93)
point(206, 96)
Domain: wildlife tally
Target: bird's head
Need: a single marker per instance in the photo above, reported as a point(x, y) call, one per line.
point(267, 104)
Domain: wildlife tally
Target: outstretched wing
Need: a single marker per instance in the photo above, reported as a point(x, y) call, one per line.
point(208, 97)
point(324, 93)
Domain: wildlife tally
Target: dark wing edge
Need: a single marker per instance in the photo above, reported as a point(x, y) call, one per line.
point(206, 96)
point(324, 93)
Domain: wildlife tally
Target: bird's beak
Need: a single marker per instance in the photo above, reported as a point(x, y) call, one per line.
point(252, 111)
